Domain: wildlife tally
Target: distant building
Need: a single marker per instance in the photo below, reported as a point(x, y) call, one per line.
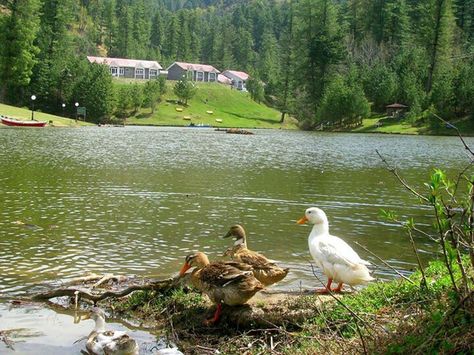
point(224, 80)
point(238, 78)
point(129, 68)
point(396, 110)
point(194, 72)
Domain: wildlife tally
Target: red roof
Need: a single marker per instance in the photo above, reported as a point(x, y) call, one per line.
point(239, 74)
point(196, 67)
point(396, 105)
point(121, 62)
point(223, 79)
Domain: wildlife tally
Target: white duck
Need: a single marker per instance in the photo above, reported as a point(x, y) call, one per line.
point(101, 341)
point(334, 256)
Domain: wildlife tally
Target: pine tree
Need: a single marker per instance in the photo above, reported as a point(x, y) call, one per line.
point(243, 50)
point(171, 47)
point(184, 37)
point(434, 32)
point(285, 82)
point(124, 40)
point(153, 91)
point(18, 54)
point(268, 64)
point(319, 42)
point(185, 90)
point(95, 93)
point(110, 27)
point(141, 30)
point(56, 51)
point(157, 34)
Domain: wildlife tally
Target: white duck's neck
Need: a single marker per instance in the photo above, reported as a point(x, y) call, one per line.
point(99, 324)
point(320, 229)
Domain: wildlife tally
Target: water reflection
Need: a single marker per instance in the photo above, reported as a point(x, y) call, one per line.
point(137, 200)
point(38, 330)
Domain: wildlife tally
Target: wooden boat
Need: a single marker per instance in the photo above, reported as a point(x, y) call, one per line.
point(17, 123)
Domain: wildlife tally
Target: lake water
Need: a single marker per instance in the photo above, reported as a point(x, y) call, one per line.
point(137, 200)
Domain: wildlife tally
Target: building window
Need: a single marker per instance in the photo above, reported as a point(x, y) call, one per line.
point(121, 71)
point(153, 73)
point(212, 76)
point(113, 71)
point(200, 76)
point(139, 72)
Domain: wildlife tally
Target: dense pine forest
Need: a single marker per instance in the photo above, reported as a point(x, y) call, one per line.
point(317, 60)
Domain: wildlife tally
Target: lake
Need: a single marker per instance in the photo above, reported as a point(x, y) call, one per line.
point(137, 200)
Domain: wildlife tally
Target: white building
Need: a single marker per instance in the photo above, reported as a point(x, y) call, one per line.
point(238, 78)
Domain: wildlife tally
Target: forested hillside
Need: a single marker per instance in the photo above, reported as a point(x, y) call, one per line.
point(320, 60)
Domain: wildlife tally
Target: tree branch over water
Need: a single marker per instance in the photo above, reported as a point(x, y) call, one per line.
point(402, 181)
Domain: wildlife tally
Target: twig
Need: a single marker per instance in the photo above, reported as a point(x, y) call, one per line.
point(445, 319)
point(108, 277)
point(361, 338)
point(4, 337)
point(339, 301)
point(385, 263)
point(417, 258)
point(457, 131)
point(395, 172)
point(443, 248)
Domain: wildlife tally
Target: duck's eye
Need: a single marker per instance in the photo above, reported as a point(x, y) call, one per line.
point(310, 212)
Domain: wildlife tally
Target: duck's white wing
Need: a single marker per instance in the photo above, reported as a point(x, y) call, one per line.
point(337, 251)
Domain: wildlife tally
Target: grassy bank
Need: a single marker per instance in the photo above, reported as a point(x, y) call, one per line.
point(25, 114)
point(215, 105)
point(386, 317)
point(383, 124)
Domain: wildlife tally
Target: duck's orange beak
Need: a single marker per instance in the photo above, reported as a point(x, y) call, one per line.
point(183, 270)
point(302, 220)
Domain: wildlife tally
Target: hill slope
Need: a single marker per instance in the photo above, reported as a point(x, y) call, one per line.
point(215, 105)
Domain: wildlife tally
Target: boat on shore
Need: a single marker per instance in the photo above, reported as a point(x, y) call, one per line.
point(18, 123)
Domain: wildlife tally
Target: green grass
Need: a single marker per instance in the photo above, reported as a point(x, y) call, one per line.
point(233, 107)
point(25, 114)
point(396, 317)
point(383, 124)
point(388, 125)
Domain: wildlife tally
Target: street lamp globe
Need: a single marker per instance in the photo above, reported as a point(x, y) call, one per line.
point(33, 97)
point(63, 105)
point(76, 104)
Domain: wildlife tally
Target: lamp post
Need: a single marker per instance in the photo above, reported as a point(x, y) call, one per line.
point(33, 98)
point(63, 106)
point(77, 105)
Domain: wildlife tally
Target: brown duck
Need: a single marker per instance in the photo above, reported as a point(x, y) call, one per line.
point(264, 270)
point(229, 283)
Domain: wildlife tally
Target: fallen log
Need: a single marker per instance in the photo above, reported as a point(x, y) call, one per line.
point(96, 296)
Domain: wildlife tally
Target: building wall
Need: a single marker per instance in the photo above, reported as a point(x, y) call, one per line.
point(175, 72)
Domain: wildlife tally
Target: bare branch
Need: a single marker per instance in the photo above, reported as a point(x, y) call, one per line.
point(160, 285)
point(367, 325)
point(457, 131)
point(385, 263)
point(403, 182)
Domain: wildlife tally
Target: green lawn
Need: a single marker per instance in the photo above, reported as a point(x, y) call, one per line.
point(214, 104)
point(25, 114)
point(383, 124)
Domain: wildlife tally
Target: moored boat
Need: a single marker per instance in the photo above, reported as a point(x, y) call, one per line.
point(18, 123)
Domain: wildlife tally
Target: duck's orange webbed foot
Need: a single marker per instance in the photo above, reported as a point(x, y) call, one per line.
point(215, 319)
